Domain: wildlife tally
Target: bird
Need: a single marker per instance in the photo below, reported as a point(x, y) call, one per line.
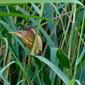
point(28, 36)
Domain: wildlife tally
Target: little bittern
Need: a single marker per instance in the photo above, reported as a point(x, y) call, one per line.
point(28, 36)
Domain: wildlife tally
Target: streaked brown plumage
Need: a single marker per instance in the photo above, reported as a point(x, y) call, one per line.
point(28, 37)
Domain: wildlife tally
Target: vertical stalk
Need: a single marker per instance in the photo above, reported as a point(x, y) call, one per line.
point(78, 51)
point(72, 31)
point(37, 29)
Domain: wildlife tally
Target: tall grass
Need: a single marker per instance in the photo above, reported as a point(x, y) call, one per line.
point(61, 27)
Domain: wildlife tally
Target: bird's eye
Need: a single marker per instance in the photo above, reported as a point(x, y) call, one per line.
point(20, 32)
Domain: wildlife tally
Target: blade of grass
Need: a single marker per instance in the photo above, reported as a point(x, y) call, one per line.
point(39, 1)
point(55, 68)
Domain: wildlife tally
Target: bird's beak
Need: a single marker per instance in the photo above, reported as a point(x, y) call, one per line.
point(16, 33)
point(12, 32)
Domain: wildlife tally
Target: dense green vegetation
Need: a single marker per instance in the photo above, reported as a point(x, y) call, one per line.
point(62, 29)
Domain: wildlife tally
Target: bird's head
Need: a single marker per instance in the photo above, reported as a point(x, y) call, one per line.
point(24, 33)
